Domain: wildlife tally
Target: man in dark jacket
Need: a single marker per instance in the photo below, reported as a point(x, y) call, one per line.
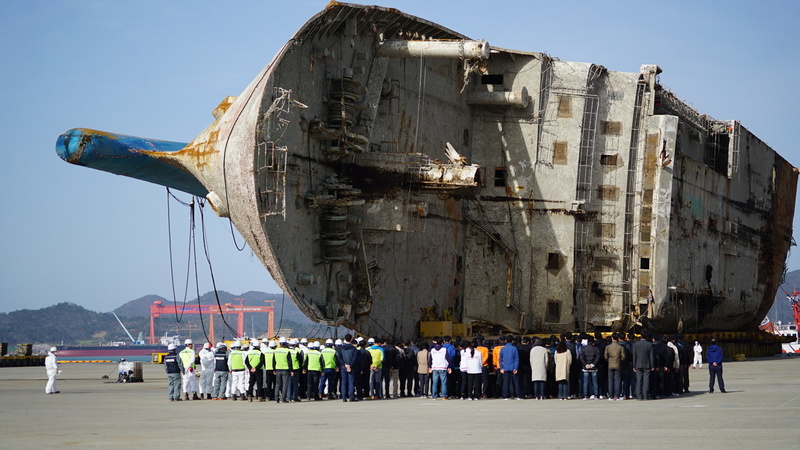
point(643, 363)
point(174, 367)
point(348, 357)
point(686, 357)
point(391, 369)
point(408, 369)
point(574, 370)
point(590, 361)
point(362, 383)
point(526, 385)
point(714, 357)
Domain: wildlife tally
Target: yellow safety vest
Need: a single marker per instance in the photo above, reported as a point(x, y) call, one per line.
point(187, 357)
point(329, 355)
point(237, 360)
point(268, 354)
point(312, 360)
point(281, 358)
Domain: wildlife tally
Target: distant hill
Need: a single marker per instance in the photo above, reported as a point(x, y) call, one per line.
point(139, 307)
point(72, 324)
point(65, 322)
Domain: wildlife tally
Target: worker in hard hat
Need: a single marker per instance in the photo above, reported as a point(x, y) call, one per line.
point(187, 356)
point(237, 368)
point(245, 349)
point(303, 346)
point(282, 362)
point(220, 372)
point(51, 364)
point(268, 349)
point(312, 367)
point(330, 370)
point(255, 365)
point(297, 362)
point(175, 369)
point(206, 370)
point(364, 374)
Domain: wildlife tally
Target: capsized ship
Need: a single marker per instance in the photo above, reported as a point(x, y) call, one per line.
point(385, 168)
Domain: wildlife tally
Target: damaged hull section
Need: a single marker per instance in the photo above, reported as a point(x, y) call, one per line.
point(384, 168)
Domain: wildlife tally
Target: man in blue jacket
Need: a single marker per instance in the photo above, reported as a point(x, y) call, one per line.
point(509, 365)
point(714, 357)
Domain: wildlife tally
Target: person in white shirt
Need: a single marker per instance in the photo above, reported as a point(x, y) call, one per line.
point(472, 359)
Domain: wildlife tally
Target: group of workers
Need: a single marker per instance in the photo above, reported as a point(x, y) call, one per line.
point(285, 370)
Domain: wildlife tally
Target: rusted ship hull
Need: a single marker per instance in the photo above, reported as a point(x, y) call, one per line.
point(384, 167)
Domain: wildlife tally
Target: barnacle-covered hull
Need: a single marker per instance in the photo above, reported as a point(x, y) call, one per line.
point(385, 168)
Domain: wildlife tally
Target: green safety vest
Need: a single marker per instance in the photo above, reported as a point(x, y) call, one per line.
point(296, 365)
point(329, 355)
point(237, 360)
point(312, 360)
point(254, 357)
point(281, 360)
point(187, 357)
point(268, 354)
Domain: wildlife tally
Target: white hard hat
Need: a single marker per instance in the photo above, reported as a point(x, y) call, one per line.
point(304, 341)
point(171, 347)
point(237, 344)
point(220, 344)
point(53, 349)
point(338, 342)
point(207, 345)
point(370, 341)
point(359, 339)
point(255, 343)
point(282, 340)
point(272, 344)
point(316, 344)
point(328, 341)
point(187, 342)
point(293, 341)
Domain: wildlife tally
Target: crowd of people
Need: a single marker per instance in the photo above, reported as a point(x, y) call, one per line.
point(572, 366)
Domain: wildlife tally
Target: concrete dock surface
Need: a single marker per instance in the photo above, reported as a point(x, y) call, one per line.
point(760, 410)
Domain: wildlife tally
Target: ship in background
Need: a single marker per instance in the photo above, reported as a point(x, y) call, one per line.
point(137, 350)
point(788, 330)
point(386, 169)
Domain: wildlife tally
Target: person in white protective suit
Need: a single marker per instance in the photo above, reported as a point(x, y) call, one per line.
point(206, 370)
point(237, 372)
point(187, 357)
point(51, 364)
point(698, 356)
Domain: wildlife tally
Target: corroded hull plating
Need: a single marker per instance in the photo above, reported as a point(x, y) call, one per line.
point(384, 167)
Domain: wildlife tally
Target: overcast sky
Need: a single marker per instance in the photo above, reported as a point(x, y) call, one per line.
point(157, 69)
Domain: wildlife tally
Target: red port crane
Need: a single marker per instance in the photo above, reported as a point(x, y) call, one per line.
point(157, 309)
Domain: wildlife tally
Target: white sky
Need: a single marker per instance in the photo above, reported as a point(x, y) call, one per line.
point(157, 69)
